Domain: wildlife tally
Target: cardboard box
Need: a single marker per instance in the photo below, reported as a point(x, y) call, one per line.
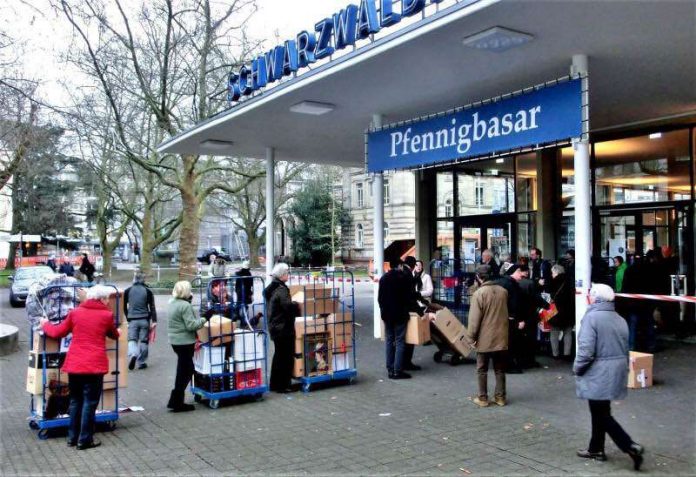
point(55, 380)
point(314, 306)
point(463, 344)
point(248, 345)
point(341, 361)
point(640, 370)
point(314, 291)
point(340, 326)
point(209, 359)
point(417, 330)
point(309, 325)
point(314, 355)
point(116, 377)
point(108, 400)
point(45, 344)
point(217, 330)
point(448, 324)
point(46, 360)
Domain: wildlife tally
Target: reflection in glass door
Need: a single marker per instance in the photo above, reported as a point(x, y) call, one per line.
point(479, 234)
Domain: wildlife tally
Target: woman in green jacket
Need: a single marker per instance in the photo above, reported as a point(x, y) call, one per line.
point(182, 336)
point(620, 270)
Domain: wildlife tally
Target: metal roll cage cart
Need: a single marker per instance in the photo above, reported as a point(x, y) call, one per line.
point(232, 362)
point(325, 329)
point(451, 283)
point(50, 398)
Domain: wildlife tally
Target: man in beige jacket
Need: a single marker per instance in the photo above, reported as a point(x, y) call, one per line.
point(488, 330)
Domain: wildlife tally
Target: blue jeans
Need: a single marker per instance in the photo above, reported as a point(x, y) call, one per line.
point(85, 391)
point(641, 322)
point(395, 344)
point(138, 337)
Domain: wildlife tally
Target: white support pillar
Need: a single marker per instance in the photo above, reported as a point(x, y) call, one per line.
point(583, 196)
point(270, 209)
point(378, 234)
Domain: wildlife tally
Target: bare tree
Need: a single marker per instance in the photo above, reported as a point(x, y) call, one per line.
point(175, 56)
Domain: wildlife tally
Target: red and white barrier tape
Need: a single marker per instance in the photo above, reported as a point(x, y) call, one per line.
point(640, 296)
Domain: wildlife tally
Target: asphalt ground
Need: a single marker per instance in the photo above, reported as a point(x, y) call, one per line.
point(376, 426)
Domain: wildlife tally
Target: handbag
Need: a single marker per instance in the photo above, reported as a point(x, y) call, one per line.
point(546, 315)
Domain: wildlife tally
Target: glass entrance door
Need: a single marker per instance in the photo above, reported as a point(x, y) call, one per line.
point(478, 233)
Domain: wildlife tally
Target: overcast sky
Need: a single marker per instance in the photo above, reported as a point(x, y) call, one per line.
point(45, 34)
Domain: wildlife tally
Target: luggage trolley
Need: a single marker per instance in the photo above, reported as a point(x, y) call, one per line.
point(231, 361)
point(47, 384)
point(325, 329)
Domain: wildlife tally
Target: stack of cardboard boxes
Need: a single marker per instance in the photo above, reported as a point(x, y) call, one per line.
point(47, 355)
point(229, 358)
point(323, 331)
point(449, 326)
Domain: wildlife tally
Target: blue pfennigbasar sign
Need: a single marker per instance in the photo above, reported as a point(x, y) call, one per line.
point(547, 115)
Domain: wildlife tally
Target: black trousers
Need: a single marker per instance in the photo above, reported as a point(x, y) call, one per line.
point(283, 362)
point(184, 371)
point(603, 423)
point(408, 353)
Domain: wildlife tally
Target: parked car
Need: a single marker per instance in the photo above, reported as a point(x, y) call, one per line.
point(204, 257)
point(23, 278)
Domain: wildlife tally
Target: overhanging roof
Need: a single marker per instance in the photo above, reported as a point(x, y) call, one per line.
point(642, 61)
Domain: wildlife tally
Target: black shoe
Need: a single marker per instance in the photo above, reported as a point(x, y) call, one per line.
point(400, 375)
point(636, 453)
point(88, 445)
point(412, 367)
point(586, 454)
point(514, 371)
point(131, 363)
point(71, 443)
point(184, 408)
point(143, 366)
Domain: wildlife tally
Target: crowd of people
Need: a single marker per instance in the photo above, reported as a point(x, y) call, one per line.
point(504, 303)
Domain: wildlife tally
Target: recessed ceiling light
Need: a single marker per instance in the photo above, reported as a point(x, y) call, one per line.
point(216, 145)
point(312, 107)
point(655, 136)
point(500, 161)
point(497, 39)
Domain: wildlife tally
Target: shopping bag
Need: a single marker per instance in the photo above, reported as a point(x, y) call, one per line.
point(152, 335)
point(546, 314)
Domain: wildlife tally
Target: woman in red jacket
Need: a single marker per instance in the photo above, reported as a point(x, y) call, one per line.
point(86, 362)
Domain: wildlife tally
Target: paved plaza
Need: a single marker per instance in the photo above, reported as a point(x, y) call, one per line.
point(427, 425)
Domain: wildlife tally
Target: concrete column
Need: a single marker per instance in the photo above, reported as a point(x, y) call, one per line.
point(583, 197)
point(424, 220)
point(547, 195)
point(270, 209)
point(378, 234)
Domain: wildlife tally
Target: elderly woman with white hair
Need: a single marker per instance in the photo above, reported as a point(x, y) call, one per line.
point(182, 336)
point(601, 370)
point(86, 362)
point(281, 312)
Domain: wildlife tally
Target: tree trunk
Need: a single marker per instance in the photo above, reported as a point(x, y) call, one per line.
point(254, 245)
point(107, 258)
point(11, 256)
point(190, 224)
point(147, 246)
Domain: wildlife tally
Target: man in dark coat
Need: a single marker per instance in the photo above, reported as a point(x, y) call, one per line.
point(394, 309)
point(640, 277)
point(539, 269)
point(67, 268)
point(514, 320)
point(141, 314)
point(529, 300)
point(281, 326)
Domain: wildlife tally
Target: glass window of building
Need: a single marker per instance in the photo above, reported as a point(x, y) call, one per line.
point(486, 187)
point(445, 238)
point(359, 194)
point(526, 182)
point(445, 193)
point(359, 236)
point(386, 191)
point(386, 230)
point(526, 233)
point(567, 178)
point(650, 168)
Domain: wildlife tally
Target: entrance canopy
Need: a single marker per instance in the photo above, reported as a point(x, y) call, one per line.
point(642, 65)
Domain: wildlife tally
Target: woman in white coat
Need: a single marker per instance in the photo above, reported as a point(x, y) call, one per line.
point(423, 282)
